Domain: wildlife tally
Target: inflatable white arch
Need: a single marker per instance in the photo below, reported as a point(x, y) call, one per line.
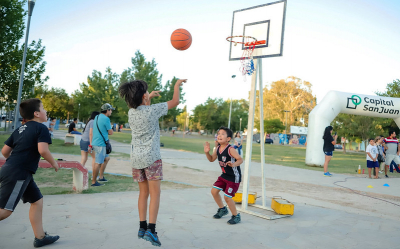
point(350, 103)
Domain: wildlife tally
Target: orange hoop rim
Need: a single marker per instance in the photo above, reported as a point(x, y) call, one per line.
point(253, 43)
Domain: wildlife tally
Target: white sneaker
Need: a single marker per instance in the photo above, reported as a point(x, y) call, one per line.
point(380, 172)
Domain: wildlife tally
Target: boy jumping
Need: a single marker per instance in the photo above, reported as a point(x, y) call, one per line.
point(27, 144)
point(145, 149)
point(229, 181)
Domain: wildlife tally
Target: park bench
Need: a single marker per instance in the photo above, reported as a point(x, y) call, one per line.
point(72, 139)
point(80, 174)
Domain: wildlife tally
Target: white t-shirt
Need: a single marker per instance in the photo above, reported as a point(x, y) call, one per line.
point(145, 145)
point(373, 150)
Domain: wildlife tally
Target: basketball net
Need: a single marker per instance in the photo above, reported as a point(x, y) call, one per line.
point(246, 61)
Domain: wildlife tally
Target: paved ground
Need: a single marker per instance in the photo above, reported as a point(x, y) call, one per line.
point(110, 220)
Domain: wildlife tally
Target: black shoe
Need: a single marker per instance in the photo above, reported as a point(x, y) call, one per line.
point(47, 240)
point(234, 220)
point(221, 212)
point(102, 179)
point(152, 237)
point(386, 176)
point(97, 184)
point(141, 233)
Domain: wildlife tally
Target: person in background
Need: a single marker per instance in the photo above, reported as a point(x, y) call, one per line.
point(379, 146)
point(392, 150)
point(238, 143)
point(372, 158)
point(72, 127)
point(329, 147)
point(86, 141)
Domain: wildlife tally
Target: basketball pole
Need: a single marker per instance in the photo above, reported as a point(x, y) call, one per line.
point(249, 147)
point(262, 140)
point(249, 139)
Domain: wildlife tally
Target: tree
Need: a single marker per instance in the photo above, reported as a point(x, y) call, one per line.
point(56, 101)
point(97, 91)
point(273, 125)
point(392, 90)
point(215, 113)
point(293, 95)
point(12, 28)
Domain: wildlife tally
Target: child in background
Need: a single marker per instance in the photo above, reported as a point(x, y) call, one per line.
point(229, 181)
point(372, 155)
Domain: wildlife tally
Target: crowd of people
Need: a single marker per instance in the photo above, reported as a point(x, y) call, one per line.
point(382, 154)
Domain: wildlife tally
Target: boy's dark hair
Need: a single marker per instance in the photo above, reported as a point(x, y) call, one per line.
point(104, 112)
point(28, 107)
point(133, 92)
point(75, 119)
point(391, 132)
point(228, 131)
point(369, 140)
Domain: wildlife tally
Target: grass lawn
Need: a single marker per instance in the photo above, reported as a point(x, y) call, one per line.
point(274, 154)
point(122, 137)
point(58, 146)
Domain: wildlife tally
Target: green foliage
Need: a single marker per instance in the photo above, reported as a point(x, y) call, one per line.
point(392, 90)
point(359, 128)
point(12, 29)
point(291, 94)
point(56, 101)
point(215, 113)
point(273, 126)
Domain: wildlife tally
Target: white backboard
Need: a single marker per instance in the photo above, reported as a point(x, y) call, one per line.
point(263, 22)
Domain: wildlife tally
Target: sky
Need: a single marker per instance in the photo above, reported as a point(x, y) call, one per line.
point(341, 45)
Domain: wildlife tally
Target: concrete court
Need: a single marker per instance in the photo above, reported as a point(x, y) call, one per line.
point(185, 220)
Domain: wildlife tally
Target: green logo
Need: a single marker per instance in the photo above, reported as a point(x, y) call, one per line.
point(354, 102)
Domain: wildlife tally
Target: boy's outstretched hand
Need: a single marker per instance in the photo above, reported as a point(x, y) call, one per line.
point(206, 147)
point(154, 94)
point(180, 82)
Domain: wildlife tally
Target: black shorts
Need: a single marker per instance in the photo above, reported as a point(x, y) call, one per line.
point(16, 184)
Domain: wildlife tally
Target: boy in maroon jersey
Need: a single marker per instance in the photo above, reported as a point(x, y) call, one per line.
point(229, 181)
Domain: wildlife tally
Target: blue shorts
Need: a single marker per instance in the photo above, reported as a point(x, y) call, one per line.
point(84, 145)
point(328, 153)
point(100, 154)
point(372, 164)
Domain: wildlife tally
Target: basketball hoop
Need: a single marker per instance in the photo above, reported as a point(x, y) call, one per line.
point(247, 63)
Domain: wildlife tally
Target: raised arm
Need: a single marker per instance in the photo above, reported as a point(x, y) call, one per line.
point(177, 93)
point(212, 157)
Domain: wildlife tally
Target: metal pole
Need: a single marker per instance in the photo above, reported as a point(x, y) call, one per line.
point(79, 108)
point(262, 140)
point(286, 127)
point(31, 4)
point(230, 111)
point(230, 108)
point(240, 125)
point(249, 140)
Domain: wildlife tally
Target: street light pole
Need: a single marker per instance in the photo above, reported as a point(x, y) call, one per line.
point(240, 126)
point(230, 108)
point(31, 4)
point(79, 108)
point(286, 125)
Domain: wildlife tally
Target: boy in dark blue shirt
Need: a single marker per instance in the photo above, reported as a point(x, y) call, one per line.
point(23, 150)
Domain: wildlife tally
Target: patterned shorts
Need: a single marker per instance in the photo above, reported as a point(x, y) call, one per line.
point(153, 172)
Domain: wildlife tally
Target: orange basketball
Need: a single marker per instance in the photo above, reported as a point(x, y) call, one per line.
point(181, 39)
